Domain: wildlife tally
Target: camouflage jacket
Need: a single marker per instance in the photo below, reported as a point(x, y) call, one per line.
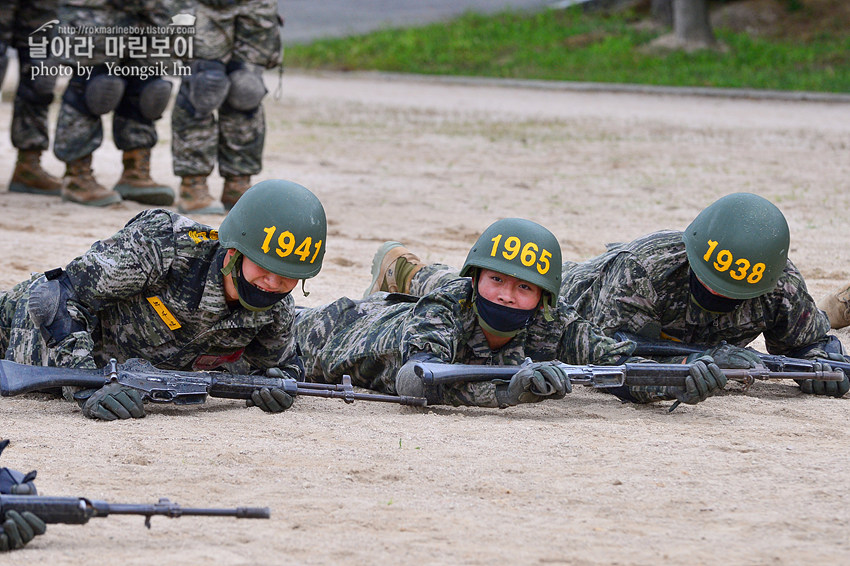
point(371, 339)
point(642, 287)
point(154, 290)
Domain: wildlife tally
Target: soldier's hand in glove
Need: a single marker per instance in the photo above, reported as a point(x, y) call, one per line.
point(18, 529)
point(826, 388)
point(111, 402)
point(532, 383)
point(271, 399)
point(705, 380)
point(730, 357)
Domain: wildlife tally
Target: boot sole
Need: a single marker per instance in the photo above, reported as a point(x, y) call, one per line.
point(16, 187)
point(378, 266)
point(105, 201)
point(159, 196)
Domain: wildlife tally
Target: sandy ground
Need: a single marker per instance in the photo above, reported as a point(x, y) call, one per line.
point(755, 477)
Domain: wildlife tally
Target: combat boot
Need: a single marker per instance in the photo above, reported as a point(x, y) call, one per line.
point(393, 267)
point(234, 187)
point(80, 186)
point(837, 308)
point(136, 183)
point(30, 177)
point(195, 197)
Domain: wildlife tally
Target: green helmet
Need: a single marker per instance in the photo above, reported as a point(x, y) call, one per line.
point(280, 226)
point(519, 248)
point(738, 246)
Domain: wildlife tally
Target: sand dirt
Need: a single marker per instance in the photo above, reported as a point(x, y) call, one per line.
point(748, 477)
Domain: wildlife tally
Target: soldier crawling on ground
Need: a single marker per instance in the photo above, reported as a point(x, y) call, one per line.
point(178, 294)
point(505, 309)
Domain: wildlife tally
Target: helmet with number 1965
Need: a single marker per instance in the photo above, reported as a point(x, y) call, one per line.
point(519, 248)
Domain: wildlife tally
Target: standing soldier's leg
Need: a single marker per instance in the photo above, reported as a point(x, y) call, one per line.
point(79, 130)
point(144, 102)
point(240, 150)
point(32, 99)
point(194, 129)
point(241, 119)
point(134, 133)
point(78, 133)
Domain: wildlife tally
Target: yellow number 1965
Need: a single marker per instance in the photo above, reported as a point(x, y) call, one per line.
point(512, 247)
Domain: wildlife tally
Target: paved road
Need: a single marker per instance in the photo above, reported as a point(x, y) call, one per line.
point(307, 20)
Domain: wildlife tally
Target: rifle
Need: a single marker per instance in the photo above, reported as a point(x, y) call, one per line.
point(663, 348)
point(78, 510)
point(631, 374)
point(178, 387)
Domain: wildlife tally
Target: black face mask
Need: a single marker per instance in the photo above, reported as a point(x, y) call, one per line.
point(250, 296)
point(499, 319)
point(708, 301)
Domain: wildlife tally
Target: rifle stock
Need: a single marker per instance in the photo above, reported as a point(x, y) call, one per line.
point(178, 387)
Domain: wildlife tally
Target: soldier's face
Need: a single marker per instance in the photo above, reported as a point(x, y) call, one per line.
point(266, 280)
point(508, 291)
point(257, 276)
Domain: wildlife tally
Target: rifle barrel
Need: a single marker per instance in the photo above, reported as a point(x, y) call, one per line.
point(173, 510)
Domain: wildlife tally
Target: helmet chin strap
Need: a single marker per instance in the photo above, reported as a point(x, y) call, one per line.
point(250, 296)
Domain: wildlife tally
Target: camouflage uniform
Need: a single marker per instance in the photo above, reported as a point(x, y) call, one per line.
point(29, 119)
point(228, 31)
point(160, 256)
point(78, 131)
point(371, 339)
point(642, 287)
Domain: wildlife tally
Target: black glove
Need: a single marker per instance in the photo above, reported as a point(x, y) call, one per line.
point(20, 528)
point(730, 357)
point(534, 382)
point(705, 380)
point(826, 388)
point(271, 399)
point(111, 402)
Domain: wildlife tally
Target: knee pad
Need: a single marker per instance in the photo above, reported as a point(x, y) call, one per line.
point(154, 97)
point(48, 307)
point(104, 93)
point(208, 86)
point(246, 86)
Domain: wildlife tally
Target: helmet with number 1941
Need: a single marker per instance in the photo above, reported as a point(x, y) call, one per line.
point(280, 226)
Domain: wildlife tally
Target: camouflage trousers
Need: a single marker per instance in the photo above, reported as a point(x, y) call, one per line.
point(364, 339)
point(22, 342)
point(33, 96)
point(229, 33)
point(432, 276)
point(78, 131)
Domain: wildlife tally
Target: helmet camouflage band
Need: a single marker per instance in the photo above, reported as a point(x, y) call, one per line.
point(738, 246)
point(519, 248)
point(280, 226)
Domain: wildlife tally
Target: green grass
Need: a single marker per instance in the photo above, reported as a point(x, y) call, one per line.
point(575, 46)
